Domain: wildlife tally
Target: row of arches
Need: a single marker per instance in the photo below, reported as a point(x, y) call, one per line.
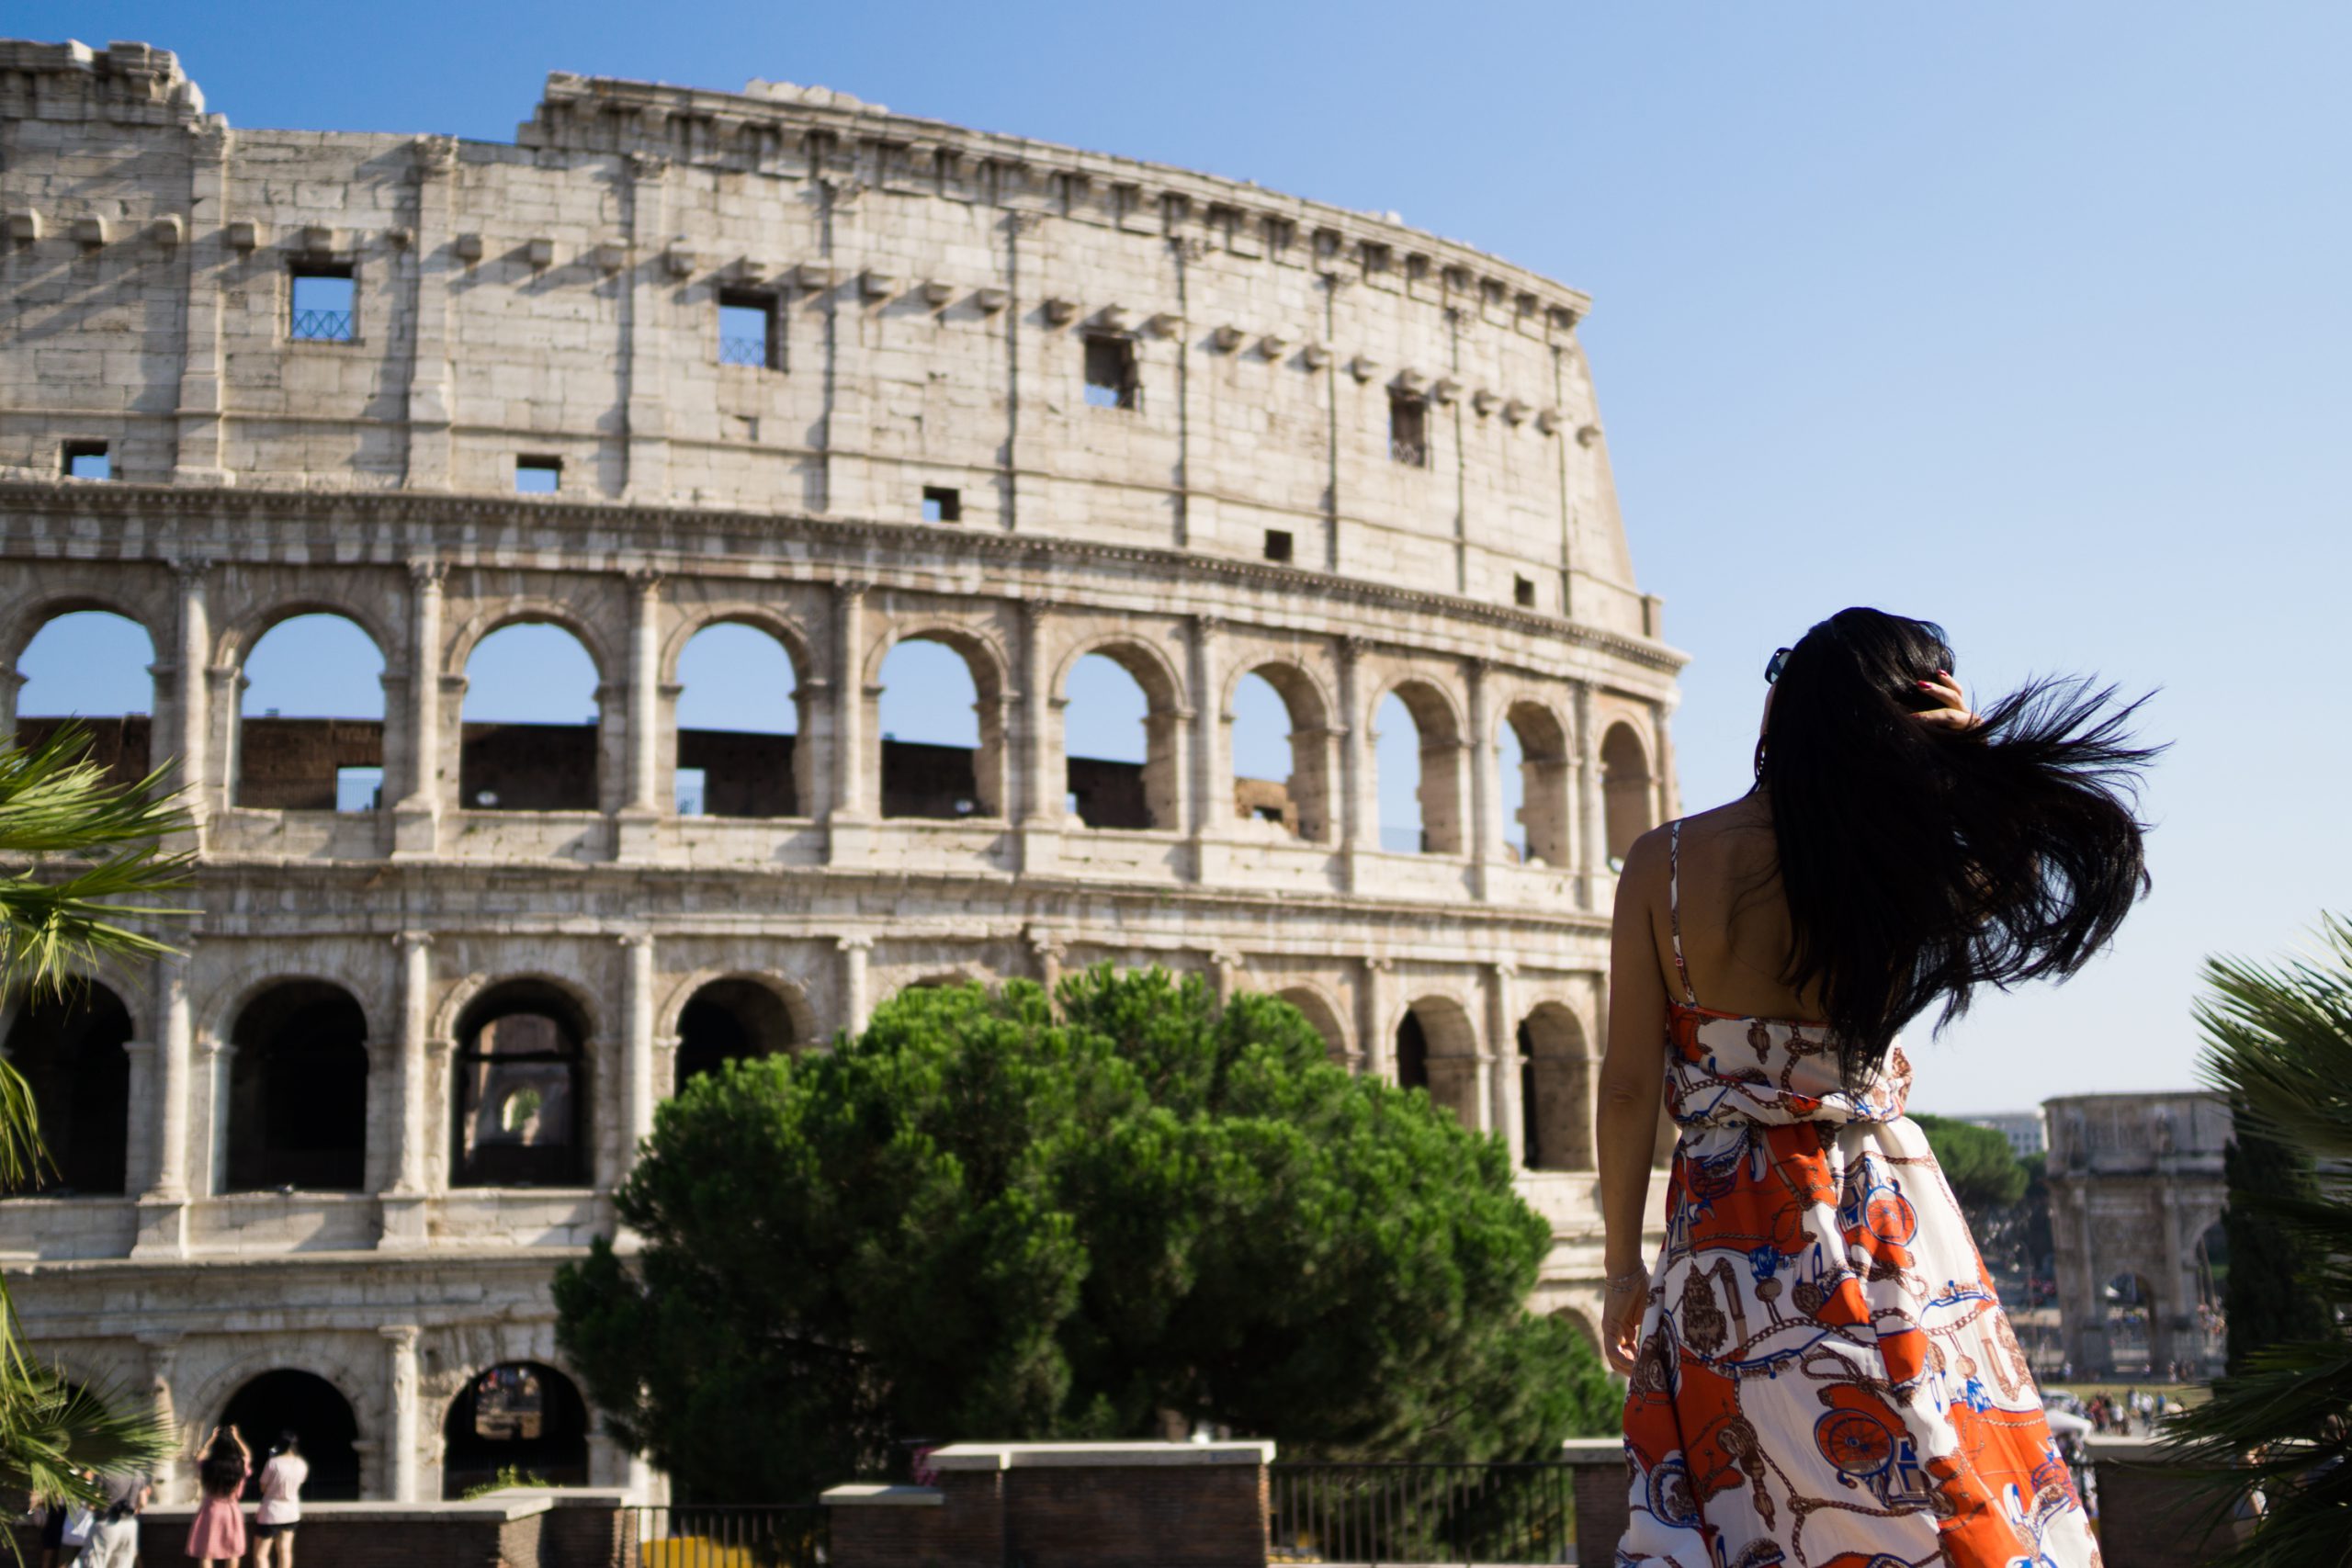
point(298, 1082)
point(311, 729)
point(301, 1066)
point(524, 1416)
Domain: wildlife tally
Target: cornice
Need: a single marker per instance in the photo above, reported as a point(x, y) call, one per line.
point(866, 544)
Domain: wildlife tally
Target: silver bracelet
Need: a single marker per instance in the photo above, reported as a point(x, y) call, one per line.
point(1625, 1281)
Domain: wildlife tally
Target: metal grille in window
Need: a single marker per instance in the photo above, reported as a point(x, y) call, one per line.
point(1408, 431)
point(747, 330)
point(752, 351)
point(323, 326)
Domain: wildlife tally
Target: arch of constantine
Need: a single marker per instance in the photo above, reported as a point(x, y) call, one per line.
point(844, 380)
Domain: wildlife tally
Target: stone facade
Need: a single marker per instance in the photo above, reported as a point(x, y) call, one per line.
point(1201, 428)
point(2135, 1188)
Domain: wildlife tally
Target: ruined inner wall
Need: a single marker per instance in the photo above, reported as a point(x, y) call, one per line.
point(1353, 459)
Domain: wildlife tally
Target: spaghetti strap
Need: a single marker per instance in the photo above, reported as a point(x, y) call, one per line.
point(1674, 905)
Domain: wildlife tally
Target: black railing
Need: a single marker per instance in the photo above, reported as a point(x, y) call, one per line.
point(323, 326)
point(752, 351)
point(1422, 1513)
point(1411, 451)
point(726, 1536)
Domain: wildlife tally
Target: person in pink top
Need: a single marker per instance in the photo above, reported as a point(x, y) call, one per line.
point(218, 1533)
point(281, 1501)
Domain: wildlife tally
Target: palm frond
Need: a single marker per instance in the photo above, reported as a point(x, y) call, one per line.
point(85, 845)
point(22, 1156)
point(2278, 1042)
point(51, 1431)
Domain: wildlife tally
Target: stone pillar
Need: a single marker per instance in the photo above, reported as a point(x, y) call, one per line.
point(2171, 1303)
point(1379, 1046)
point(1225, 968)
point(645, 694)
point(403, 1202)
point(1505, 1115)
point(1048, 953)
point(194, 679)
point(207, 1173)
point(197, 459)
point(1043, 778)
point(1212, 782)
point(417, 815)
point(1485, 824)
point(1668, 794)
point(646, 292)
point(855, 1003)
point(12, 681)
point(163, 1208)
point(431, 391)
point(142, 1147)
point(1359, 788)
point(1591, 823)
point(638, 1098)
point(400, 1343)
point(173, 1476)
point(855, 757)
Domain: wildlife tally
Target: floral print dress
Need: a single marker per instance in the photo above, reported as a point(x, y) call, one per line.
point(1826, 1379)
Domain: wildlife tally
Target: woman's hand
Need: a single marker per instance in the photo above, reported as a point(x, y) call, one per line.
point(1951, 711)
point(1621, 1323)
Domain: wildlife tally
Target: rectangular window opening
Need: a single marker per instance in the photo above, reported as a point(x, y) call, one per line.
point(1522, 592)
point(1408, 429)
point(320, 301)
point(356, 789)
point(747, 328)
point(942, 504)
point(691, 790)
point(1110, 371)
point(537, 476)
point(88, 461)
point(1278, 545)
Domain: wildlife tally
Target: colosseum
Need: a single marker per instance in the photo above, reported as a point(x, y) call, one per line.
point(775, 365)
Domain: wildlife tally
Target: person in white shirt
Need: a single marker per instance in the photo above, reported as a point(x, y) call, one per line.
point(281, 1503)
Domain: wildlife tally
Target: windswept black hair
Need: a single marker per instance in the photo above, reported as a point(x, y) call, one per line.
point(1921, 862)
point(222, 1470)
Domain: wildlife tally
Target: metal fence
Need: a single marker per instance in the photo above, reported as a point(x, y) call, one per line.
point(1422, 1513)
point(727, 1536)
point(322, 326)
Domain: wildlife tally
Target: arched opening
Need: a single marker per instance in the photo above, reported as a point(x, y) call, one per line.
point(522, 1090)
point(1437, 1050)
point(1280, 766)
point(310, 723)
point(1554, 1091)
point(1119, 742)
point(1318, 1012)
point(1583, 1326)
point(939, 733)
point(2128, 1304)
point(732, 1020)
point(739, 724)
point(70, 1052)
point(321, 1420)
point(525, 746)
point(520, 1415)
point(1626, 790)
point(298, 1091)
point(1418, 756)
point(93, 667)
point(1534, 777)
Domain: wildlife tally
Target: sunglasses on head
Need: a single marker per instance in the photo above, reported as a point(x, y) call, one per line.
point(1780, 659)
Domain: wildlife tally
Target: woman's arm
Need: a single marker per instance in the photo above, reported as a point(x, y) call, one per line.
point(1632, 1084)
point(243, 1452)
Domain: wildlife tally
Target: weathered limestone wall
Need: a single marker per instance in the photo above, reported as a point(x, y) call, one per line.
point(933, 289)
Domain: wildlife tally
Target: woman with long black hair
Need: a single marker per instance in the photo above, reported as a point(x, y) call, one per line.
point(1821, 1374)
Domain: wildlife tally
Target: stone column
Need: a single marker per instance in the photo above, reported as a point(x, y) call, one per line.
point(1502, 1063)
point(12, 681)
point(1048, 951)
point(172, 1475)
point(1486, 823)
point(1041, 782)
point(1212, 782)
point(2171, 1300)
point(1591, 822)
point(638, 1096)
point(162, 1209)
point(209, 1175)
point(1379, 1046)
point(855, 1004)
point(646, 292)
point(1668, 794)
point(143, 1149)
point(403, 1202)
point(400, 1343)
point(853, 803)
point(1225, 968)
point(645, 694)
point(1359, 788)
point(416, 816)
point(194, 679)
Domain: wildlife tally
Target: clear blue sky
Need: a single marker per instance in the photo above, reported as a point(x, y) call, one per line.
point(2030, 319)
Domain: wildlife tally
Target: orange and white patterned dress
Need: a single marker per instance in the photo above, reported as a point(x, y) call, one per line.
point(1826, 1379)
